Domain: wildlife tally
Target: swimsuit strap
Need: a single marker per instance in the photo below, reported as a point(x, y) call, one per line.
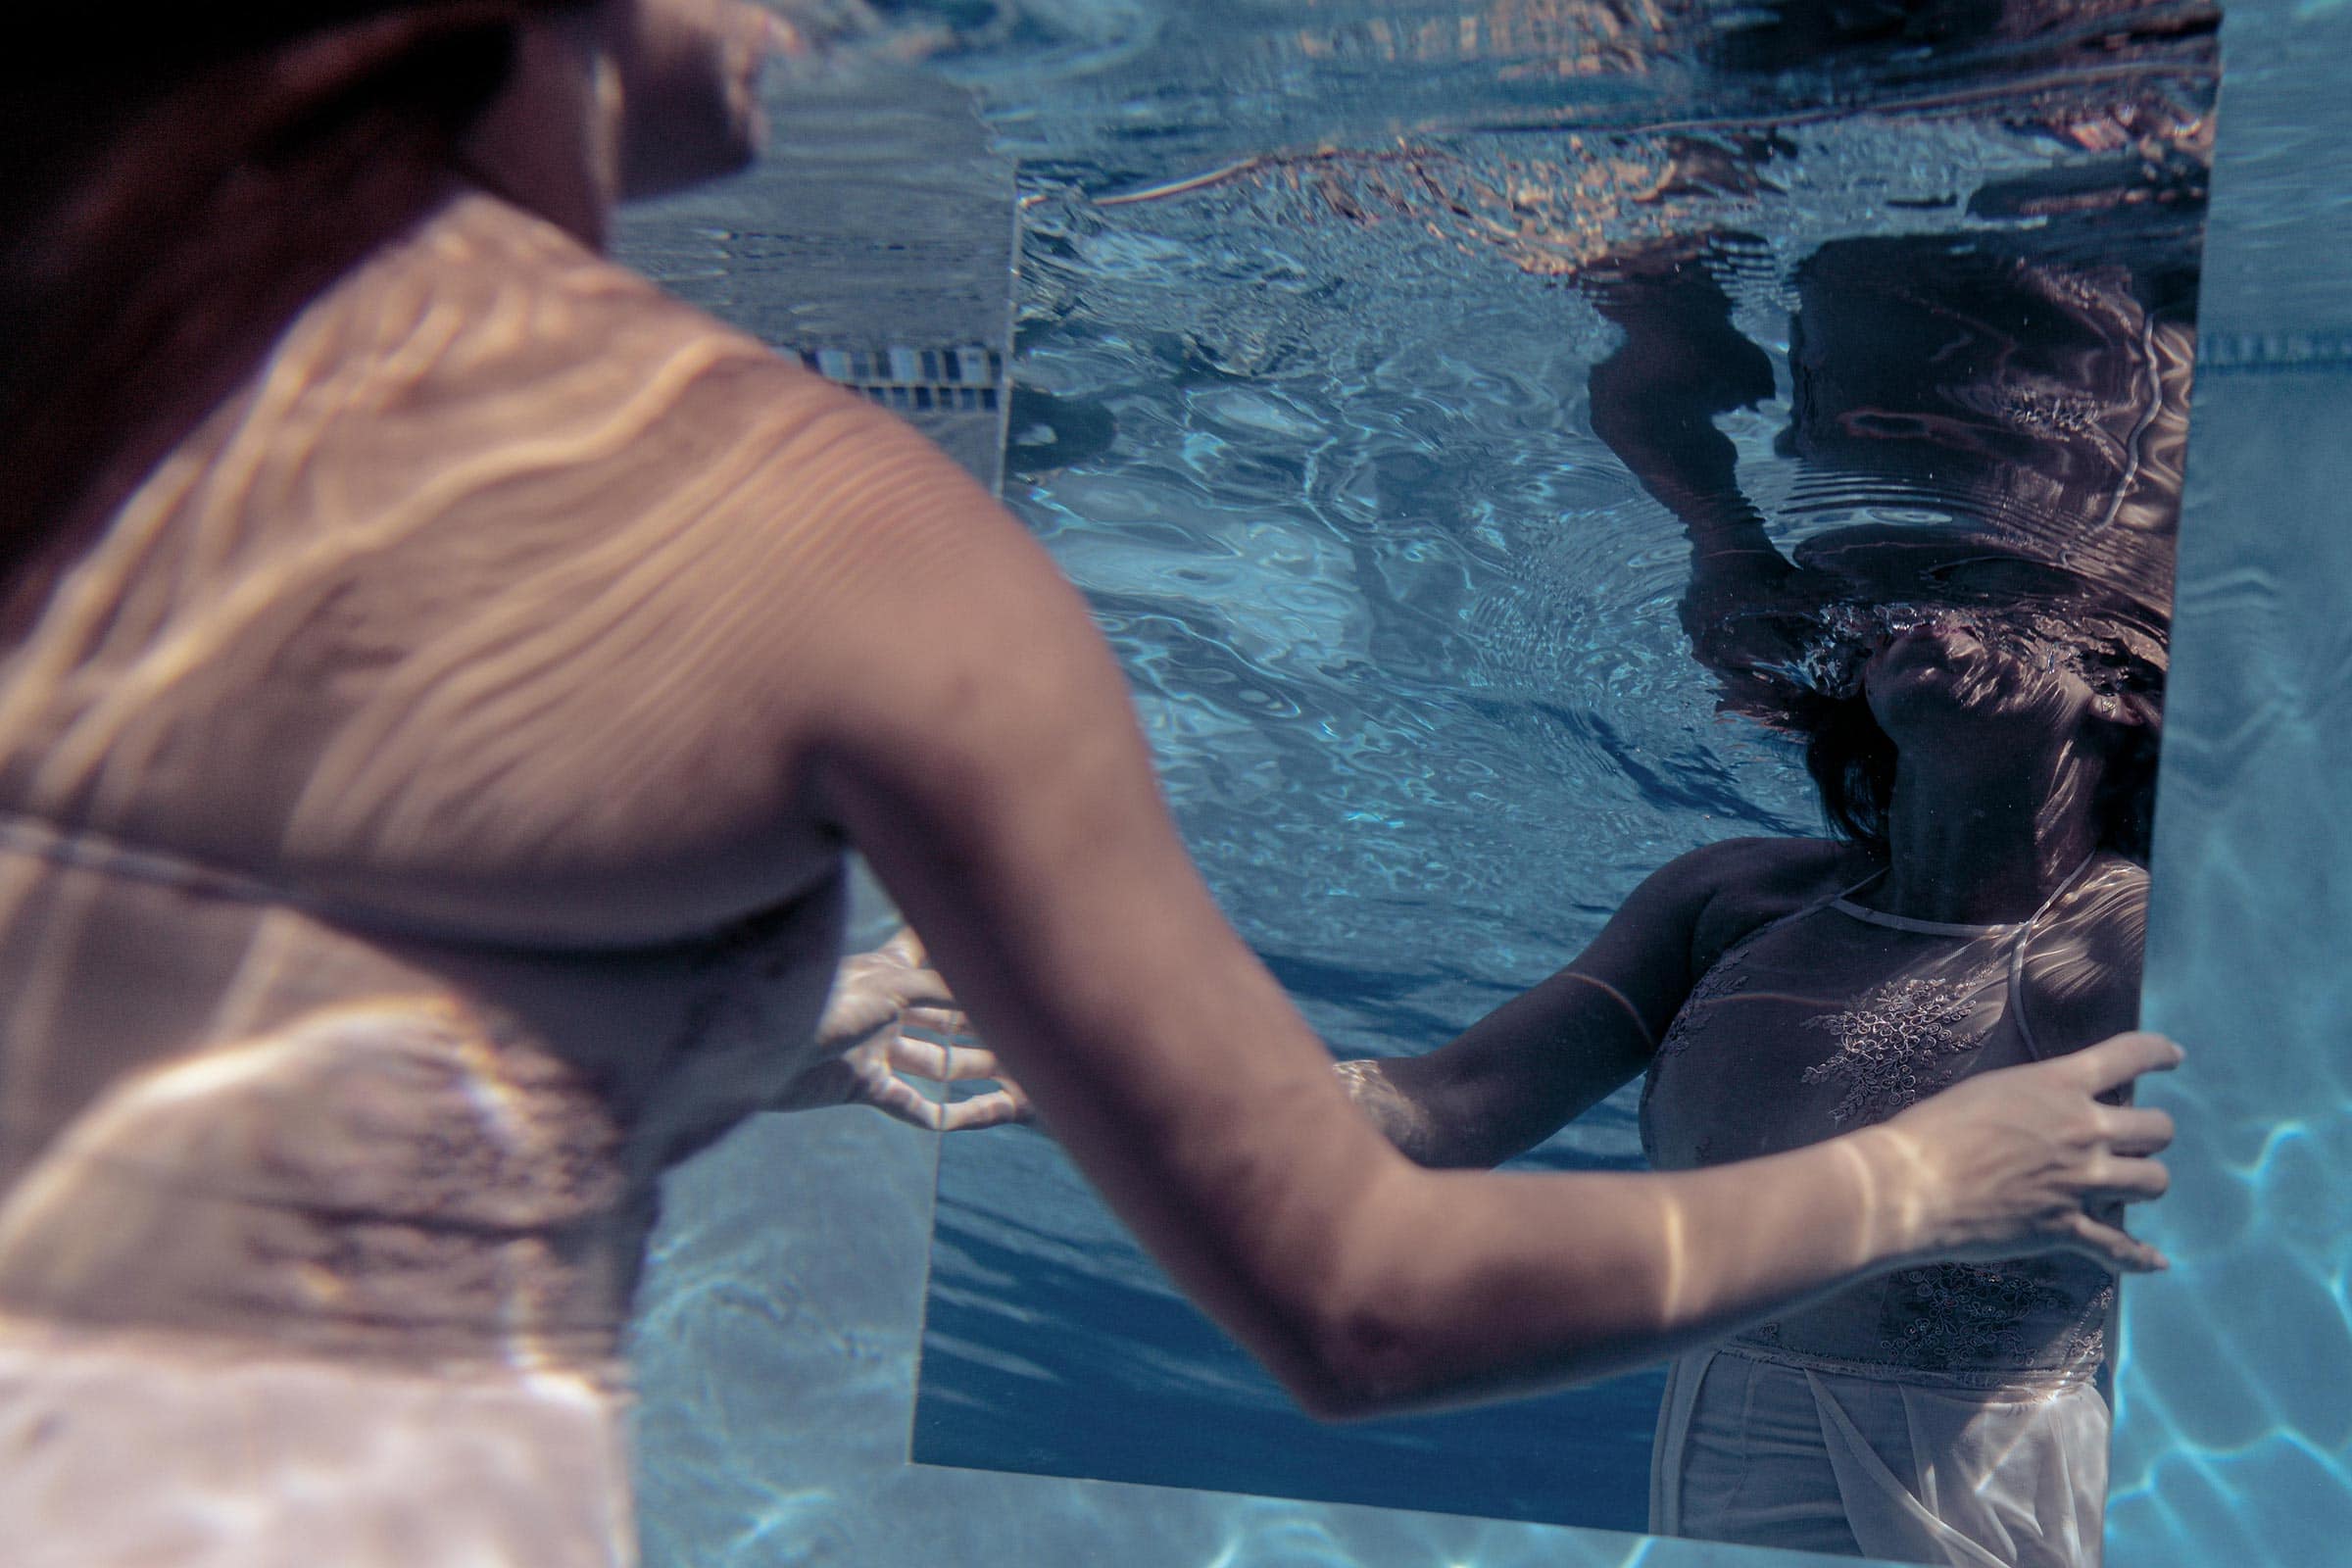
point(1844, 903)
point(2020, 934)
point(92, 852)
point(1834, 900)
point(2017, 955)
point(84, 850)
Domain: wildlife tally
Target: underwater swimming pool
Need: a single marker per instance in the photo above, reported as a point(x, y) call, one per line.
point(1406, 639)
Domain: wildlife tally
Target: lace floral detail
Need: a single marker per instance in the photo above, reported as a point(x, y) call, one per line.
point(1716, 987)
point(1949, 1315)
point(1893, 1046)
point(2087, 1345)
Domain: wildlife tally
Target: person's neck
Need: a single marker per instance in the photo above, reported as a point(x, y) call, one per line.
point(1986, 848)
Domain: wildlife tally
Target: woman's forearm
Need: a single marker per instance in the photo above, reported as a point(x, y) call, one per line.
point(1547, 1055)
point(1454, 1285)
point(1463, 1286)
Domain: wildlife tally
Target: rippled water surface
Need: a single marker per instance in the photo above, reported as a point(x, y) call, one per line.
point(1297, 397)
point(1300, 401)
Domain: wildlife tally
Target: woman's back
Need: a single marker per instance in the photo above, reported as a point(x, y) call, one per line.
point(383, 758)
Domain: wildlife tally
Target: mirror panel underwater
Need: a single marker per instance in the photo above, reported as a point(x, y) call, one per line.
point(1377, 418)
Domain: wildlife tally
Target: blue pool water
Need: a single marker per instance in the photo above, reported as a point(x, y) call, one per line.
point(1312, 437)
point(1405, 640)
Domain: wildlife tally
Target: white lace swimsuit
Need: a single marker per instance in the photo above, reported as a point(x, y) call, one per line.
point(1944, 1413)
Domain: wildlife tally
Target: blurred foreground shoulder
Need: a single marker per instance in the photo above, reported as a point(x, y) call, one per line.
point(507, 597)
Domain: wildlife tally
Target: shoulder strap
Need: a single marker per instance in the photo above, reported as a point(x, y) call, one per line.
point(1815, 905)
point(86, 851)
point(2017, 955)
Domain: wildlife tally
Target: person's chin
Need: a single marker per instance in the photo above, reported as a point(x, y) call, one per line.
point(1925, 701)
point(1905, 669)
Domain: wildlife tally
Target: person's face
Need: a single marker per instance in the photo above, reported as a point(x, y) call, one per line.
point(1938, 630)
point(1946, 680)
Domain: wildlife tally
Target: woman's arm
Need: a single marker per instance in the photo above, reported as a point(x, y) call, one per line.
point(1654, 402)
point(1546, 1056)
point(950, 707)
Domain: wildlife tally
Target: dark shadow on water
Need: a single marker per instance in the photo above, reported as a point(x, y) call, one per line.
point(1086, 1375)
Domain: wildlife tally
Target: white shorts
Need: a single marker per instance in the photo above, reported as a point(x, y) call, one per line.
point(1772, 1453)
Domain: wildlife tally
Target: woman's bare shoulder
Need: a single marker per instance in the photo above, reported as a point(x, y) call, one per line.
point(535, 311)
point(1750, 882)
point(642, 388)
point(1774, 868)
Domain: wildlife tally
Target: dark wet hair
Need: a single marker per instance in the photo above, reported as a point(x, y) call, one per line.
point(176, 182)
point(1852, 762)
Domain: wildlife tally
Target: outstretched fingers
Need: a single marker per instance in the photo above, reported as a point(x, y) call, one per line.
point(906, 947)
point(997, 1108)
point(2133, 1181)
point(902, 1102)
point(914, 981)
point(947, 1063)
point(917, 987)
point(2131, 1133)
point(2115, 1061)
point(2106, 1245)
point(950, 1063)
point(2137, 1130)
point(949, 1021)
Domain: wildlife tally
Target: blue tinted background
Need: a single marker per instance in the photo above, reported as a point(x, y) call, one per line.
point(779, 1320)
point(2234, 1436)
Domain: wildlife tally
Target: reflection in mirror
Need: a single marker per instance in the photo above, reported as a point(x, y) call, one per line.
point(1691, 488)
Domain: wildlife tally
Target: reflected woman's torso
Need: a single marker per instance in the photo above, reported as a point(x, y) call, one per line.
point(1978, 690)
point(1839, 1016)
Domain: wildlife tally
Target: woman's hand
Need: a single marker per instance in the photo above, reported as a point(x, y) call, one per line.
point(876, 997)
point(2015, 1161)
